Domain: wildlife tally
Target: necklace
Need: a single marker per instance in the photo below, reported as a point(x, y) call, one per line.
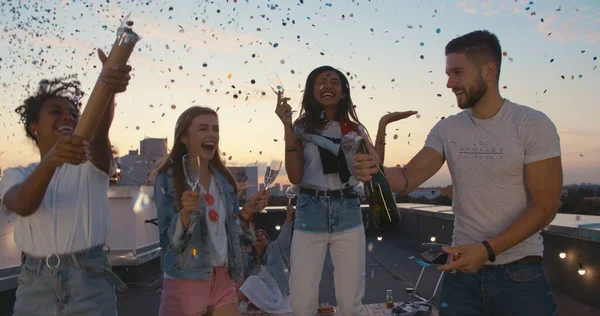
point(213, 213)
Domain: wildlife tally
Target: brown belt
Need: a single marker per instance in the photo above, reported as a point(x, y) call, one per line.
point(529, 259)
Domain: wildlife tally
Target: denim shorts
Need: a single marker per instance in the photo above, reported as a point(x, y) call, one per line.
point(516, 289)
point(73, 284)
point(324, 214)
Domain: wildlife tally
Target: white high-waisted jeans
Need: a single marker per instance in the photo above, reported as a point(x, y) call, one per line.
point(347, 250)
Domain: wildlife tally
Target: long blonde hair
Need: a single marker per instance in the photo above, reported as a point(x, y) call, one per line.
point(173, 159)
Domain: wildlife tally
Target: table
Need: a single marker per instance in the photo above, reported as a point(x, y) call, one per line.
point(377, 309)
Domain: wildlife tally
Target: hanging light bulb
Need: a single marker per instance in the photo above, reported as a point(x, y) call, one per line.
point(432, 238)
point(379, 238)
point(581, 269)
point(562, 254)
point(278, 227)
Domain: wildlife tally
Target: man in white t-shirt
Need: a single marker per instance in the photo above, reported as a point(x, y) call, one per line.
point(505, 163)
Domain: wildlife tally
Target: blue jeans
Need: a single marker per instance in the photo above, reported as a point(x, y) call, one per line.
point(515, 289)
point(324, 214)
point(72, 284)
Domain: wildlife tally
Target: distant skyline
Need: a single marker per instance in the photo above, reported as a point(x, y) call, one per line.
point(204, 53)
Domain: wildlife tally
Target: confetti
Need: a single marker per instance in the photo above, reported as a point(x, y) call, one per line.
point(43, 45)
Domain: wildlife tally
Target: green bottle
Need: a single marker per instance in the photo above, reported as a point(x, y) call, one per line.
point(382, 204)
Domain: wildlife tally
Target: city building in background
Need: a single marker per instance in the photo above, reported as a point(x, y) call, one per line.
point(135, 167)
point(427, 193)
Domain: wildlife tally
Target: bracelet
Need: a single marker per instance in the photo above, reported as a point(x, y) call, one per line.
point(490, 251)
point(290, 149)
point(249, 220)
point(406, 179)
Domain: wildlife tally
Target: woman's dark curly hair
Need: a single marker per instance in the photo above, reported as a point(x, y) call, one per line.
point(66, 87)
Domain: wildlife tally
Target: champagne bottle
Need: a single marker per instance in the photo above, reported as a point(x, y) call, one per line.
point(382, 204)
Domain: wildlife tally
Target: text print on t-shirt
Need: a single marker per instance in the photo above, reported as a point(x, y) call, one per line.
point(481, 151)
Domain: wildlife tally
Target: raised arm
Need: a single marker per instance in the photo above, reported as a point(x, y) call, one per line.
point(402, 180)
point(284, 240)
point(100, 146)
point(422, 167)
point(381, 130)
point(294, 159)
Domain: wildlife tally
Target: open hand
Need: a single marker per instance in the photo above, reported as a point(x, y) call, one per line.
point(115, 78)
point(396, 116)
point(467, 258)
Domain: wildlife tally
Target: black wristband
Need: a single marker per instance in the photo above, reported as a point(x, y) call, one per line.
point(490, 251)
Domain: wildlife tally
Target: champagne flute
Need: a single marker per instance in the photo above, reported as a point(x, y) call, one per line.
point(272, 172)
point(275, 83)
point(291, 193)
point(191, 169)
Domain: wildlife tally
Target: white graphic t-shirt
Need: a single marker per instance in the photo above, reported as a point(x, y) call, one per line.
point(487, 159)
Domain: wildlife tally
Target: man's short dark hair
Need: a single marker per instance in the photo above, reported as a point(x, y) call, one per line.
point(479, 46)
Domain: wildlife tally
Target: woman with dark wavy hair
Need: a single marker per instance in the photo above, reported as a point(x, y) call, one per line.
point(61, 203)
point(319, 150)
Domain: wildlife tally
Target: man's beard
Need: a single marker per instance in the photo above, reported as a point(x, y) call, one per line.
point(474, 95)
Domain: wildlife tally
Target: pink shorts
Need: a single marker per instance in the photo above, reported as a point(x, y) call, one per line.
point(195, 297)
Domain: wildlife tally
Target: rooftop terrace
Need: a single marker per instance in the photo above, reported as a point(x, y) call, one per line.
point(390, 262)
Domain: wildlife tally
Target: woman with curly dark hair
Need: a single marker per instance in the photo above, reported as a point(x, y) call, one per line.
point(62, 203)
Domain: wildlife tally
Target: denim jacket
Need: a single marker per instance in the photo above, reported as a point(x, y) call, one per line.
point(178, 259)
point(277, 259)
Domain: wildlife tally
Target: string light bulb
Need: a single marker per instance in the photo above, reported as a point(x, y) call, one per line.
point(562, 253)
point(278, 227)
point(379, 238)
point(432, 239)
point(581, 269)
